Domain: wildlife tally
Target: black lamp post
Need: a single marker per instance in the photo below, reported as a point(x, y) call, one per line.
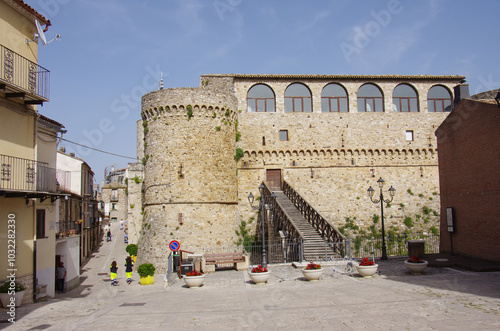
point(263, 208)
point(392, 192)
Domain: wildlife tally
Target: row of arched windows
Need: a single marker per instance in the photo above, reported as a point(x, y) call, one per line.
point(298, 98)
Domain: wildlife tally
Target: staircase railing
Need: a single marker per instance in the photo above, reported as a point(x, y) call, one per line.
point(327, 231)
point(283, 220)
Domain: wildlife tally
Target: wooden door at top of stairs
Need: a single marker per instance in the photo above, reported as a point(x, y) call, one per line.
point(273, 179)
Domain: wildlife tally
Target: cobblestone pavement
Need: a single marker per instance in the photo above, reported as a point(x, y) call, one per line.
point(394, 299)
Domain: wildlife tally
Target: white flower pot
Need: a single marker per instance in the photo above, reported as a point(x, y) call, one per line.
point(5, 298)
point(194, 281)
point(367, 270)
point(312, 274)
point(260, 278)
point(416, 268)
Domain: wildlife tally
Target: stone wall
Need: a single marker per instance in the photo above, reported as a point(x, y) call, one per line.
point(190, 188)
point(195, 192)
point(135, 175)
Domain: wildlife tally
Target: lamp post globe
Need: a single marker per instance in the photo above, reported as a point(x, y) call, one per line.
point(370, 193)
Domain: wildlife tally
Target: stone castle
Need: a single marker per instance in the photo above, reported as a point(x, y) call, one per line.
point(330, 137)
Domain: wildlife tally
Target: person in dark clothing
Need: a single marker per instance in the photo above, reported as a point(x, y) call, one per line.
point(61, 277)
point(129, 267)
point(108, 235)
point(112, 271)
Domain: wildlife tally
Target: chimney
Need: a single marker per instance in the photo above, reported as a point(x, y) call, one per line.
point(72, 154)
point(63, 150)
point(461, 91)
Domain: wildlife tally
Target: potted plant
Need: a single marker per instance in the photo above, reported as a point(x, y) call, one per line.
point(367, 268)
point(132, 251)
point(146, 271)
point(10, 289)
point(416, 265)
point(312, 271)
point(259, 275)
point(194, 278)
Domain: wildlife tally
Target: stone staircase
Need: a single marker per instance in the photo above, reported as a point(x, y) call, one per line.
point(41, 293)
point(315, 247)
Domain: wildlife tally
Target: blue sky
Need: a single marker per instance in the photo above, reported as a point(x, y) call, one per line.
point(113, 51)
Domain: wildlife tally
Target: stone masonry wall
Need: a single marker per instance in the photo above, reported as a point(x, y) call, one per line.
point(135, 177)
point(195, 192)
point(190, 189)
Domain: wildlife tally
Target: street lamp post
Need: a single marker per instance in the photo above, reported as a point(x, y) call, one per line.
point(263, 208)
point(392, 192)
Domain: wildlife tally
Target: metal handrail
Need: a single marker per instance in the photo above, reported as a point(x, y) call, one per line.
point(327, 230)
point(284, 221)
point(18, 174)
point(27, 76)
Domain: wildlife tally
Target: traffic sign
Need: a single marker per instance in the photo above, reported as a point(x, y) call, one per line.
point(174, 245)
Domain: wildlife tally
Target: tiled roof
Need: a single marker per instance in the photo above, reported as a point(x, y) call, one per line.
point(342, 77)
point(21, 4)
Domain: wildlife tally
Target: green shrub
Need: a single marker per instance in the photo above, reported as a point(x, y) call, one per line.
point(408, 222)
point(132, 249)
point(239, 154)
point(6, 287)
point(146, 269)
point(434, 230)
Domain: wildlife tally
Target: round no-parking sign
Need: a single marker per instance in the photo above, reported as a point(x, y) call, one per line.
point(174, 245)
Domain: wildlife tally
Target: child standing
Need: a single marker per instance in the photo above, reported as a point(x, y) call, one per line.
point(113, 270)
point(129, 267)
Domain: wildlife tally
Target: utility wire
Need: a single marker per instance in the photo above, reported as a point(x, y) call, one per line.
point(98, 150)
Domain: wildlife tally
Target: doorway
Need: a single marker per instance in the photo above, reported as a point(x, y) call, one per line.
point(273, 179)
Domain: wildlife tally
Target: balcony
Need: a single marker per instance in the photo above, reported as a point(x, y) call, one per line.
point(66, 229)
point(114, 199)
point(22, 79)
point(20, 176)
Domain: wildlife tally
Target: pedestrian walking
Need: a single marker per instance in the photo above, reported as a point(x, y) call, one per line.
point(108, 235)
point(129, 267)
point(112, 271)
point(61, 277)
point(121, 225)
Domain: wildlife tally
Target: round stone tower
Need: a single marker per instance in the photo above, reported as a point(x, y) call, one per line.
point(190, 186)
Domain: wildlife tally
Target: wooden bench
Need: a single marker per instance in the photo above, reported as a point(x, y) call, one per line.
point(210, 261)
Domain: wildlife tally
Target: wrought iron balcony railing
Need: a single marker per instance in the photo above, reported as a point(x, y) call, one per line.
point(23, 175)
point(22, 78)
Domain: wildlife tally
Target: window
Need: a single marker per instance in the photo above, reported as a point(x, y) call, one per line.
point(261, 98)
point(298, 98)
point(409, 135)
point(284, 135)
point(334, 99)
point(40, 224)
point(438, 99)
point(370, 99)
point(113, 206)
point(404, 99)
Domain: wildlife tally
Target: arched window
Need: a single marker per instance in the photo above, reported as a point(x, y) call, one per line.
point(334, 98)
point(404, 99)
point(370, 99)
point(298, 98)
point(438, 99)
point(261, 98)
